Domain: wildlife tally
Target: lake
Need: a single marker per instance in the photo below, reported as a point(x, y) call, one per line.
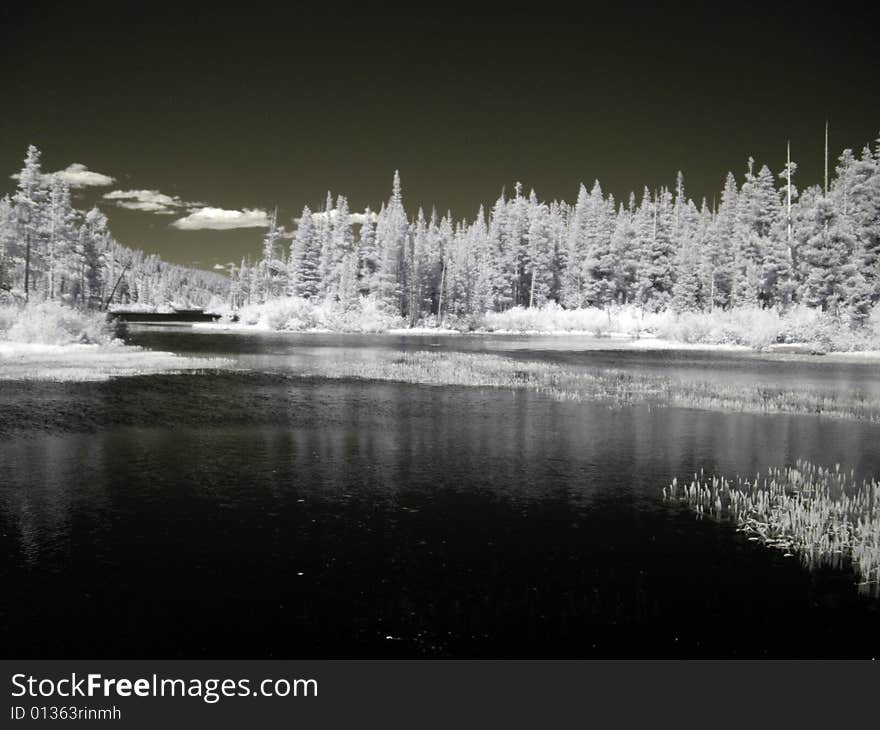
point(266, 511)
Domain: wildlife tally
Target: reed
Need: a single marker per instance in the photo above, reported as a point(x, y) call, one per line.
point(608, 385)
point(822, 515)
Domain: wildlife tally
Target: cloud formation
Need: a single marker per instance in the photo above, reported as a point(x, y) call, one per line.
point(357, 218)
point(220, 219)
point(150, 201)
point(77, 176)
point(199, 216)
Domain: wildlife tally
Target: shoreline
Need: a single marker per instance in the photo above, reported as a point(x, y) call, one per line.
point(75, 362)
point(622, 340)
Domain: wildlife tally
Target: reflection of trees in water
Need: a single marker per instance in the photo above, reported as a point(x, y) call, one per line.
point(447, 511)
point(48, 481)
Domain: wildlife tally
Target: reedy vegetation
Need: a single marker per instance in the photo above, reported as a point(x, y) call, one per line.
point(823, 515)
point(610, 386)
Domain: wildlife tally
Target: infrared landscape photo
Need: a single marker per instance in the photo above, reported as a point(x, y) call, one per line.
point(453, 334)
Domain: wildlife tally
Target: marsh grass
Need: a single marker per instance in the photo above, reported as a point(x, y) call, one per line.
point(822, 515)
point(610, 386)
point(94, 363)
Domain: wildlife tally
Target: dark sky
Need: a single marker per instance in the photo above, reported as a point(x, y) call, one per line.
point(266, 107)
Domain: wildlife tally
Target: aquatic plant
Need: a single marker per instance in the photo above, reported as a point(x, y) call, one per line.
point(609, 385)
point(822, 515)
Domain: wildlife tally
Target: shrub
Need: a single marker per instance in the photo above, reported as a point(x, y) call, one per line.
point(550, 318)
point(294, 314)
point(50, 323)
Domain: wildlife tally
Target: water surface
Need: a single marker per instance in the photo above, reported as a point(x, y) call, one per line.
point(255, 512)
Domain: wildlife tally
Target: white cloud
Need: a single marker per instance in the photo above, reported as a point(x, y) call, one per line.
point(220, 219)
point(198, 216)
point(361, 217)
point(358, 218)
point(150, 201)
point(78, 175)
point(146, 207)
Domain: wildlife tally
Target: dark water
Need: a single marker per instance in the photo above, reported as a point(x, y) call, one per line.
point(261, 514)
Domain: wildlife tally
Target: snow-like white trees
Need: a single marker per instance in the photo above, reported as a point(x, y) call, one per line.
point(306, 251)
point(51, 251)
point(29, 202)
point(763, 243)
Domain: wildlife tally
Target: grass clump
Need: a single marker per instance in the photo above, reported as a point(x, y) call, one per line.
point(609, 385)
point(822, 515)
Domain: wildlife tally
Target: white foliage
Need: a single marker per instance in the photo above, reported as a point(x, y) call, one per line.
point(50, 323)
point(295, 314)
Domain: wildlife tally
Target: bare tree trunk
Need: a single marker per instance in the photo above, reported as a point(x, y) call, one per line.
point(712, 292)
point(51, 250)
point(826, 170)
point(788, 197)
point(826, 158)
point(440, 300)
point(115, 286)
point(27, 267)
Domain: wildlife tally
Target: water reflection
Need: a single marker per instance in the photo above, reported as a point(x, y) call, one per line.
point(259, 515)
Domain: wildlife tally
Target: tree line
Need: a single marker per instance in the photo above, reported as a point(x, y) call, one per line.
point(51, 251)
point(763, 243)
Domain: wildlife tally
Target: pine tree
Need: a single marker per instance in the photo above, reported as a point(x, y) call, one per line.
point(368, 258)
point(857, 192)
point(515, 246)
point(392, 230)
point(721, 248)
point(759, 213)
point(29, 200)
point(91, 243)
point(624, 244)
point(644, 222)
point(657, 275)
point(599, 265)
point(61, 226)
point(272, 268)
point(306, 251)
point(573, 282)
point(688, 258)
point(336, 246)
point(540, 254)
point(827, 251)
point(324, 231)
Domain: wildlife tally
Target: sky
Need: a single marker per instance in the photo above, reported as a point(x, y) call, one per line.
point(186, 123)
